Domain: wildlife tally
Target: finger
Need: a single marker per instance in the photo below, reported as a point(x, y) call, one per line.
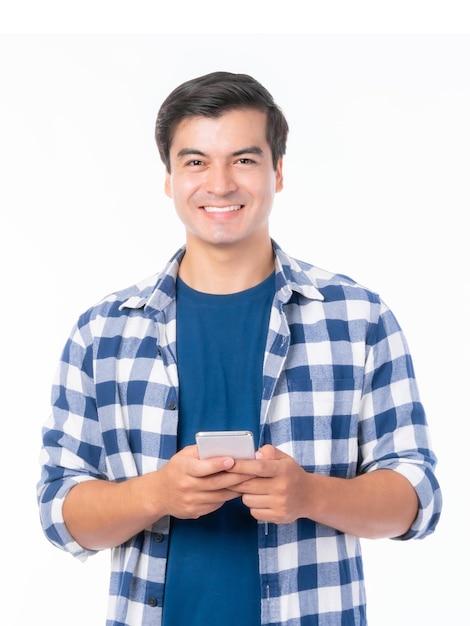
point(264, 515)
point(245, 486)
point(204, 467)
point(262, 509)
point(269, 452)
point(190, 451)
point(257, 467)
point(260, 502)
point(224, 480)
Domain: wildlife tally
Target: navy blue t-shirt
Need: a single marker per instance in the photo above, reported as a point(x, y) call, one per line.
point(212, 573)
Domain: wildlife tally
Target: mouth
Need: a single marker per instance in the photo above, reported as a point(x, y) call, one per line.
point(222, 209)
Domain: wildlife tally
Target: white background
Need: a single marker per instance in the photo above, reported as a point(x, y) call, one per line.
point(376, 186)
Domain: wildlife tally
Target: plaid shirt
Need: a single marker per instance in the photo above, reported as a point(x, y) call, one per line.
point(339, 395)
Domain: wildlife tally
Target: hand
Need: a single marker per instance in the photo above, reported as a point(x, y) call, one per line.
point(189, 487)
point(382, 503)
point(103, 514)
point(278, 489)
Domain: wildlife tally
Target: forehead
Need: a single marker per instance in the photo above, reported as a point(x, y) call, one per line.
point(231, 130)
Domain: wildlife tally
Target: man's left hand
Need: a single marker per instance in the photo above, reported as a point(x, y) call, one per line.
point(278, 491)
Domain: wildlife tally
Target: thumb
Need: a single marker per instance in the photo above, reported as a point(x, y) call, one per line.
point(269, 452)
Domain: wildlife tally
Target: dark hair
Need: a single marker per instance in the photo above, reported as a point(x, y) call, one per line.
point(213, 95)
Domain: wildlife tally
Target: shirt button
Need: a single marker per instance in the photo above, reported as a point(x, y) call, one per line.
point(172, 406)
point(158, 537)
point(152, 601)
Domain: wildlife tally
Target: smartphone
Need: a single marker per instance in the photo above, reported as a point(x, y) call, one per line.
point(239, 444)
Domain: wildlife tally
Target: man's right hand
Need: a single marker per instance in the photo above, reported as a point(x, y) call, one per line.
point(188, 487)
point(100, 514)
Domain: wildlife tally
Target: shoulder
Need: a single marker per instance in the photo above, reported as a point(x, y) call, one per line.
point(317, 283)
point(118, 304)
point(144, 298)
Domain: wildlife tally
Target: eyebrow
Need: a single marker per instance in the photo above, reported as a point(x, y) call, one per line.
point(249, 150)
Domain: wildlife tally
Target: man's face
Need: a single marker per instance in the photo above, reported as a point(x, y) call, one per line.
point(222, 179)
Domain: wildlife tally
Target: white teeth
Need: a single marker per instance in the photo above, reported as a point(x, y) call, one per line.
point(222, 209)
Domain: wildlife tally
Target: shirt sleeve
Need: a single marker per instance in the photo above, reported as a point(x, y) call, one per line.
point(72, 447)
point(393, 426)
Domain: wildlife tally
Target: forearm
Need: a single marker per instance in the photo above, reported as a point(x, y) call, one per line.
point(101, 514)
point(378, 504)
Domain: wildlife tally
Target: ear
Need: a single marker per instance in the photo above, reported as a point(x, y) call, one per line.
point(168, 184)
point(279, 176)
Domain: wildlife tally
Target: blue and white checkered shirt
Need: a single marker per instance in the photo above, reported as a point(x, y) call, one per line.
point(339, 395)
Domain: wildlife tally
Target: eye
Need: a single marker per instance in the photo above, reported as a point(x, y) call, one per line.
point(194, 163)
point(246, 161)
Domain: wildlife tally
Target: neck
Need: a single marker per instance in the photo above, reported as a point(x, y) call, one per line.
point(224, 270)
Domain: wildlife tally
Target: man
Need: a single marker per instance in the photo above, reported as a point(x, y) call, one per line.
point(234, 334)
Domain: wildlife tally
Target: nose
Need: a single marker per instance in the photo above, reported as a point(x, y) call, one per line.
point(220, 179)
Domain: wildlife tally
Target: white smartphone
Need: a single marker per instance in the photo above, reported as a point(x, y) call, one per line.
point(239, 444)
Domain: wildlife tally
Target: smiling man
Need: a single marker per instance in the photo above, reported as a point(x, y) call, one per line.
point(234, 334)
point(222, 181)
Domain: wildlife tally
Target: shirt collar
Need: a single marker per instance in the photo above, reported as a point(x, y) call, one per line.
point(158, 291)
point(294, 276)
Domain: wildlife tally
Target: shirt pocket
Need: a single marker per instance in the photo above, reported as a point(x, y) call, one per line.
point(324, 423)
point(321, 396)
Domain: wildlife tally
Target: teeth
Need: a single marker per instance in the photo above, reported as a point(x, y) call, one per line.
point(222, 209)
